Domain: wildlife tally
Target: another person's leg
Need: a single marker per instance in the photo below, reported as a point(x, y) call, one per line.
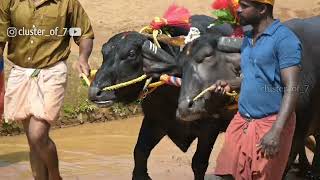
point(44, 147)
point(39, 169)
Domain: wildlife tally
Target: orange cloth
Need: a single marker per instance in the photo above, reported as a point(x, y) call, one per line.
point(239, 156)
point(40, 96)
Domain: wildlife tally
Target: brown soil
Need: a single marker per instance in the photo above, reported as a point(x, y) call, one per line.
point(102, 151)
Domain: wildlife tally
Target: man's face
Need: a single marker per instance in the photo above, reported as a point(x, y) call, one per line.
point(248, 13)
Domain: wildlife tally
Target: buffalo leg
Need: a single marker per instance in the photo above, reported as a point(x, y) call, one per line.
point(200, 160)
point(304, 165)
point(315, 174)
point(149, 137)
point(295, 150)
point(298, 148)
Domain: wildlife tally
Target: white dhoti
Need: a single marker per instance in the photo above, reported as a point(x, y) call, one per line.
point(40, 96)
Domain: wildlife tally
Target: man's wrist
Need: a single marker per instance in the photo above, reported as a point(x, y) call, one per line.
point(84, 59)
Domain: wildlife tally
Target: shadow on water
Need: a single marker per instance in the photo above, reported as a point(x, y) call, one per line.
point(12, 158)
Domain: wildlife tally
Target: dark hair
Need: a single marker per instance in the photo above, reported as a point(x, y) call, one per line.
point(260, 6)
point(269, 9)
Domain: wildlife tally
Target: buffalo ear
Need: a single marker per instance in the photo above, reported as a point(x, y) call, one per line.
point(156, 61)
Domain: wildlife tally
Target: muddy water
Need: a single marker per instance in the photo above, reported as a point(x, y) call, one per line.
point(97, 151)
point(102, 152)
point(93, 149)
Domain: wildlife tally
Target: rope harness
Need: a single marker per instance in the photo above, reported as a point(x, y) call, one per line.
point(230, 106)
point(155, 33)
point(150, 87)
point(233, 94)
point(147, 89)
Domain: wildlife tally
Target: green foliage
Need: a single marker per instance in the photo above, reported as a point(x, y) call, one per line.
point(224, 16)
point(123, 111)
point(10, 128)
point(84, 107)
point(68, 111)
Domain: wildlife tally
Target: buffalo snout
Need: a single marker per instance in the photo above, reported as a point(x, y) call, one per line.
point(100, 97)
point(94, 93)
point(189, 110)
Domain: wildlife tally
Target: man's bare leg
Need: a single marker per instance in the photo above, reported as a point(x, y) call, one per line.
point(39, 170)
point(42, 144)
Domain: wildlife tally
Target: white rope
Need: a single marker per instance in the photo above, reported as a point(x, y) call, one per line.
point(193, 34)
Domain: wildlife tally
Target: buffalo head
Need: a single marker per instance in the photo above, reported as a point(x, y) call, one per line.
point(124, 56)
point(206, 60)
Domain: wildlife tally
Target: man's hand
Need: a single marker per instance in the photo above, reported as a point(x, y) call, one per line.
point(220, 86)
point(269, 145)
point(82, 66)
point(85, 48)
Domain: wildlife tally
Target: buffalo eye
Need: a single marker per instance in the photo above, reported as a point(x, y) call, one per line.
point(132, 54)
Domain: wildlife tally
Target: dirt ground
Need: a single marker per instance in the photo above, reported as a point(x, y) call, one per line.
point(111, 17)
point(104, 151)
point(115, 16)
point(100, 151)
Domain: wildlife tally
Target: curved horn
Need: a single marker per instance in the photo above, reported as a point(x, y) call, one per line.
point(174, 41)
point(156, 61)
point(229, 44)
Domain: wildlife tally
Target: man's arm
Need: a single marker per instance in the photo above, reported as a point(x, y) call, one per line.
point(289, 54)
point(85, 49)
point(79, 19)
point(270, 143)
point(290, 79)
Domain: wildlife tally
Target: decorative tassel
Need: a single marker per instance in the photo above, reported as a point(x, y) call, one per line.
point(175, 16)
point(171, 80)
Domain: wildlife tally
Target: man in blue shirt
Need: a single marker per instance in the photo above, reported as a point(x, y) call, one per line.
point(258, 139)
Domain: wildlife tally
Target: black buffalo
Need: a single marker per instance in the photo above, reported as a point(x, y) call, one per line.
point(125, 57)
point(203, 64)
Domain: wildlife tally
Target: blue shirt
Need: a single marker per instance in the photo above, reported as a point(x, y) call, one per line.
point(261, 88)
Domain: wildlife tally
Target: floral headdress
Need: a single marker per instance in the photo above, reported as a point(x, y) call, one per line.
point(226, 12)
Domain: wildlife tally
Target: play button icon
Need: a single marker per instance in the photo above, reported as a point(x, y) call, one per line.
point(75, 32)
